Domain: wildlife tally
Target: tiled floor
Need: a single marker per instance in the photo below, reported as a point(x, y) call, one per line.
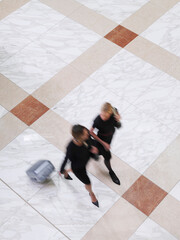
point(59, 61)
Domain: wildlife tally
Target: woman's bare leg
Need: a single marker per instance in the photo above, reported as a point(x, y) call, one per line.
point(92, 195)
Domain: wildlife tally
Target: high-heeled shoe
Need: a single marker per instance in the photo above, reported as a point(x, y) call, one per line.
point(68, 177)
point(114, 178)
point(96, 203)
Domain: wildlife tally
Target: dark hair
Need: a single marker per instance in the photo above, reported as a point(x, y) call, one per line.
point(77, 131)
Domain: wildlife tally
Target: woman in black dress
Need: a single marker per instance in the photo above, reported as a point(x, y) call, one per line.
point(105, 123)
point(79, 150)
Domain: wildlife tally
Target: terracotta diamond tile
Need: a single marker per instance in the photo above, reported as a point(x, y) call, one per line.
point(29, 110)
point(121, 36)
point(144, 195)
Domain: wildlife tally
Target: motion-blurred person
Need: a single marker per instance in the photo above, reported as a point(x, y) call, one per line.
point(105, 123)
point(79, 151)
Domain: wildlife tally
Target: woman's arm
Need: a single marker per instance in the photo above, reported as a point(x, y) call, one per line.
point(117, 118)
point(62, 170)
point(105, 145)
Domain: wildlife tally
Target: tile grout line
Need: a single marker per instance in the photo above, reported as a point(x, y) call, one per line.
point(34, 209)
point(35, 41)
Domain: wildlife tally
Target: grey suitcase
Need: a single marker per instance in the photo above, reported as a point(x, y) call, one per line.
point(40, 171)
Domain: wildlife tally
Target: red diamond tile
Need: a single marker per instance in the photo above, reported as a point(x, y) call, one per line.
point(121, 36)
point(29, 110)
point(144, 195)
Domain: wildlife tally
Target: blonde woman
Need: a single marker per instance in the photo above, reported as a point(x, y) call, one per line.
point(105, 123)
point(79, 151)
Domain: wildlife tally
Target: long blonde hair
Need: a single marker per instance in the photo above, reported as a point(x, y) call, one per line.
point(107, 107)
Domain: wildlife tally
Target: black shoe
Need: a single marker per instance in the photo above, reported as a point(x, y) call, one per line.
point(114, 178)
point(96, 203)
point(68, 177)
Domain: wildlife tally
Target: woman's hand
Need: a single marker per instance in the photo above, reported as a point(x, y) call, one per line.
point(94, 150)
point(117, 117)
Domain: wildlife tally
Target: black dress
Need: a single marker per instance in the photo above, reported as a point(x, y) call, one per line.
point(106, 131)
point(79, 157)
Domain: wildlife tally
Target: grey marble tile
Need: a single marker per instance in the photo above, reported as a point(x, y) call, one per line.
point(32, 19)
point(127, 75)
point(68, 40)
point(31, 67)
point(11, 41)
point(28, 224)
point(162, 102)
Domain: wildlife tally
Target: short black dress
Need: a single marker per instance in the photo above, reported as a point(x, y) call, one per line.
point(79, 157)
point(106, 130)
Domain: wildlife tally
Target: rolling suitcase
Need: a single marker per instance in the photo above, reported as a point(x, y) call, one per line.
point(40, 171)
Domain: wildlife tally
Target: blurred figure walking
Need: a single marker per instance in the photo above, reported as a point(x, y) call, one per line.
point(105, 123)
point(79, 151)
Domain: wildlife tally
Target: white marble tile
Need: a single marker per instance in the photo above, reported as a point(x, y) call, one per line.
point(68, 39)
point(11, 41)
point(141, 139)
point(166, 31)
point(68, 205)
point(9, 203)
point(175, 192)
point(20, 154)
point(150, 230)
point(31, 67)
point(162, 102)
point(33, 19)
point(83, 104)
point(3, 111)
point(127, 75)
point(28, 224)
point(117, 10)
